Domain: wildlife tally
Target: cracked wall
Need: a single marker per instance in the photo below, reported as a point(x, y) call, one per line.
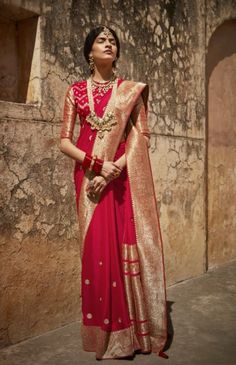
point(164, 44)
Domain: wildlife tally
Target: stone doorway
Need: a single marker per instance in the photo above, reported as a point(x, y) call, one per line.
point(221, 145)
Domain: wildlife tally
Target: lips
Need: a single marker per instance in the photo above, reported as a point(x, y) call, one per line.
point(108, 51)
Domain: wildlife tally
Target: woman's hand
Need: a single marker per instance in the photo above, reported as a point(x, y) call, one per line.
point(110, 170)
point(96, 186)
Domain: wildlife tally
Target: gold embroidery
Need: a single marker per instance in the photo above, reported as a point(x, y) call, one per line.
point(112, 344)
point(138, 117)
point(134, 294)
point(69, 115)
point(148, 234)
point(131, 268)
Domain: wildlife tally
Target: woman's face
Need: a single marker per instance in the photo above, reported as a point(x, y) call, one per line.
point(104, 48)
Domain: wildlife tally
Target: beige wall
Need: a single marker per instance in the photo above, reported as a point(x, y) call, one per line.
point(163, 44)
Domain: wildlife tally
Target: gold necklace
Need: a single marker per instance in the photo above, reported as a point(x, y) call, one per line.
point(108, 120)
point(103, 87)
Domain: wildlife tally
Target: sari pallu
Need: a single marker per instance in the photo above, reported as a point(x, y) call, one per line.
point(123, 283)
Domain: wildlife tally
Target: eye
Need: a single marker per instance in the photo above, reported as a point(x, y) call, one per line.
point(112, 40)
point(100, 40)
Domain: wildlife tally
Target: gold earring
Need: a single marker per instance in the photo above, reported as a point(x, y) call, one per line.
point(91, 64)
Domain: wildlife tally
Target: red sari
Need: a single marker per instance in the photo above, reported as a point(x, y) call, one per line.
point(122, 281)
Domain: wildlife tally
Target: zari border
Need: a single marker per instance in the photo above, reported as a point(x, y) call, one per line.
point(110, 345)
point(148, 235)
point(135, 295)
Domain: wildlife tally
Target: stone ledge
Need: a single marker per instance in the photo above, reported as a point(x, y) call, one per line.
point(11, 110)
point(19, 10)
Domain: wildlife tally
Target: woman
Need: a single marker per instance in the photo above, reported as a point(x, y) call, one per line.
point(123, 284)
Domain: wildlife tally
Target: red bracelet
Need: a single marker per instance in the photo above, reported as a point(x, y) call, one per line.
point(97, 166)
point(87, 161)
point(92, 162)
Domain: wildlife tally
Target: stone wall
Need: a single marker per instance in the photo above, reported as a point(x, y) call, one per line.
point(164, 44)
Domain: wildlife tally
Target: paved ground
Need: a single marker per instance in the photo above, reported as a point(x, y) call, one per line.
point(202, 323)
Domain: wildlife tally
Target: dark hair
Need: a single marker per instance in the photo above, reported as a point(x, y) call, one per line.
point(91, 38)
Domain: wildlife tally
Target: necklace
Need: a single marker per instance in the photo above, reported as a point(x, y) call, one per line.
point(103, 87)
point(108, 120)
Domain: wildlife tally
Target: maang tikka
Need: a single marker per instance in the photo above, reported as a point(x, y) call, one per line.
point(107, 32)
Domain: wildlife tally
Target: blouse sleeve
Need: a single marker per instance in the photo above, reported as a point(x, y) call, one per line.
point(139, 117)
point(69, 115)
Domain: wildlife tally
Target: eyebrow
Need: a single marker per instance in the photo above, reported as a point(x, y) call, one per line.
point(103, 37)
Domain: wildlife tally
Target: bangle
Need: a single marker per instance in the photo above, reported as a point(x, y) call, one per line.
point(87, 161)
point(92, 162)
point(97, 166)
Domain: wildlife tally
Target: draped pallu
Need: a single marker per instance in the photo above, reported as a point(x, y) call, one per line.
point(142, 265)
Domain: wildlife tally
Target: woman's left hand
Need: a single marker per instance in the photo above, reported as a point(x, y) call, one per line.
point(96, 186)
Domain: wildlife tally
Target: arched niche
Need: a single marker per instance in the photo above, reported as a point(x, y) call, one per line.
point(221, 145)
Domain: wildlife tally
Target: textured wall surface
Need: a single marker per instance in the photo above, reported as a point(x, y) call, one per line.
point(40, 266)
point(164, 44)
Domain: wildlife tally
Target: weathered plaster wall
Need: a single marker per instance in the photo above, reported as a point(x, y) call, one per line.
point(163, 44)
point(39, 251)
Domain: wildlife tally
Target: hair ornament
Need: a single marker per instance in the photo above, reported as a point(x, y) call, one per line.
point(107, 32)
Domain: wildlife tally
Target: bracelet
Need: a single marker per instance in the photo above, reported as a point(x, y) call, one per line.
point(87, 161)
point(92, 162)
point(97, 166)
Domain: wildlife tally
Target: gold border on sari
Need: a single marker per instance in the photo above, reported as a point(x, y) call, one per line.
point(111, 345)
point(148, 235)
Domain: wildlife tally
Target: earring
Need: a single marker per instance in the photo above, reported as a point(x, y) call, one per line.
point(91, 64)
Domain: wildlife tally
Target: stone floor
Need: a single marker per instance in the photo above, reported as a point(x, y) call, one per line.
point(202, 322)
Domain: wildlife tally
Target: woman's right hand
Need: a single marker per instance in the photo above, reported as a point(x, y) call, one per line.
point(110, 170)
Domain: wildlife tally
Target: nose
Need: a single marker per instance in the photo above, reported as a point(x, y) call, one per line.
point(108, 44)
